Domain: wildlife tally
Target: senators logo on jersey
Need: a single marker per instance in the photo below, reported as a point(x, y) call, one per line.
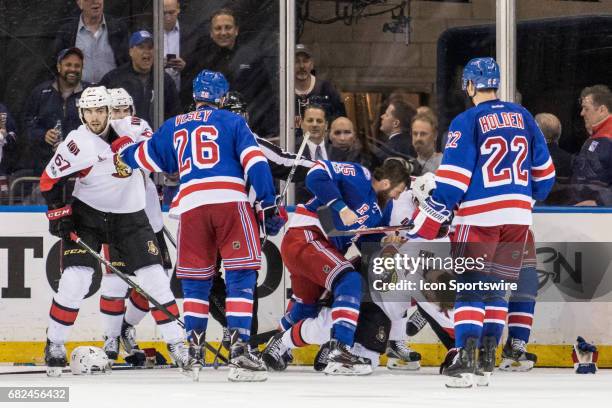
point(123, 171)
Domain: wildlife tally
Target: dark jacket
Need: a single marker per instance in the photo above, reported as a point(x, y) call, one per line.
point(117, 37)
point(592, 170)
point(9, 161)
point(402, 143)
point(562, 161)
point(45, 106)
point(125, 77)
point(249, 72)
point(323, 93)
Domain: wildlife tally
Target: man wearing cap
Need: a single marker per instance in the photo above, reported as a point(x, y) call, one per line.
point(312, 90)
point(51, 110)
point(136, 77)
point(102, 38)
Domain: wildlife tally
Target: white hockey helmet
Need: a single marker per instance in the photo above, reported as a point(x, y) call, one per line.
point(422, 186)
point(121, 97)
point(94, 97)
point(88, 360)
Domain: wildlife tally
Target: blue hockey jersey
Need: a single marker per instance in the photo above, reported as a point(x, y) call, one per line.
point(215, 154)
point(495, 164)
point(349, 182)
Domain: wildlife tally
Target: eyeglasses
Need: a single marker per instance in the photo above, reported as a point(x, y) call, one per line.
point(340, 132)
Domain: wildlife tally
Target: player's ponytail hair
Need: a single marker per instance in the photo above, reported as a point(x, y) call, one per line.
point(394, 169)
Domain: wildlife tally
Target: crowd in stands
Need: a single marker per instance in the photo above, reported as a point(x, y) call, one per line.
point(96, 48)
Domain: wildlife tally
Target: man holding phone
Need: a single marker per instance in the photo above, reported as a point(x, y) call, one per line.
point(173, 63)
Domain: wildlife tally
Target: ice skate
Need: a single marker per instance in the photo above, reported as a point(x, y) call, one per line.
point(180, 354)
point(460, 373)
point(320, 361)
point(244, 366)
point(486, 361)
point(276, 356)
point(516, 358)
point(341, 361)
point(111, 348)
point(401, 357)
point(136, 356)
point(55, 358)
point(197, 353)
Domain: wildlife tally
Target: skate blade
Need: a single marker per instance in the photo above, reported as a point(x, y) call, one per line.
point(508, 364)
point(54, 371)
point(482, 379)
point(465, 380)
point(397, 364)
point(341, 369)
point(242, 375)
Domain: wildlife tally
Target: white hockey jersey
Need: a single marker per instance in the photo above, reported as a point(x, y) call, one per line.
point(102, 183)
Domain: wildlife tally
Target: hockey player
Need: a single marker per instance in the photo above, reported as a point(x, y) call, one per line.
point(119, 320)
point(215, 152)
point(378, 311)
point(495, 162)
point(316, 263)
point(108, 208)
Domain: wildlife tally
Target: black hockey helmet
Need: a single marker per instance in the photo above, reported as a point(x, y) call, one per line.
point(234, 102)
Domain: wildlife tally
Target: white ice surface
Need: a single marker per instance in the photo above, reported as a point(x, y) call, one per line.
point(302, 387)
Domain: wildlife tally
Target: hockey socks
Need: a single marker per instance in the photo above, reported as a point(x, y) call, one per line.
point(296, 311)
point(136, 309)
point(496, 312)
point(345, 308)
point(73, 287)
point(112, 303)
point(195, 304)
point(520, 319)
point(522, 305)
point(154, 281)
point(469, 318)
point(240, 285)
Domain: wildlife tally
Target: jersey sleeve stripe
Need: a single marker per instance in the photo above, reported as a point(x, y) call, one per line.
point(144, 160)
point(455, 169)
point(539, 174)
point(46, 182)
point(252, 158)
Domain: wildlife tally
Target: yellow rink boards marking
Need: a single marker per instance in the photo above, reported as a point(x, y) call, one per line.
point(548, 355)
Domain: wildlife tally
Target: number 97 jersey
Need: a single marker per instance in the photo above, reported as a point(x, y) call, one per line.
point(215, 154)
point(495, 164)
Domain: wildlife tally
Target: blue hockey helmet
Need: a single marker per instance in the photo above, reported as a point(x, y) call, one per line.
point(209, 86)
point(483, 72)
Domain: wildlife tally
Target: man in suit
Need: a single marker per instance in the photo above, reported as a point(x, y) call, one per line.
point(102, 38)
point(395, 123)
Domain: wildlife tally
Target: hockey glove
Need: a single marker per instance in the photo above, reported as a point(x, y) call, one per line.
point(60, 221)
point(428, 219)
point(585, 357)
point(121, 143)
point(272, 219)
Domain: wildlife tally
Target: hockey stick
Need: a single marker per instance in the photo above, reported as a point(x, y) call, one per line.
point(327, 222)
point(137, 288)
point(298, 157)
point(169, 236)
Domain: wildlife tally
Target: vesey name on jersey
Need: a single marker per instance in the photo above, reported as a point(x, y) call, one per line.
point(200, 116)
point(499, 120)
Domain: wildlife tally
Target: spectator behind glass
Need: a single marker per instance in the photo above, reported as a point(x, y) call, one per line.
point(561, 193)
point(315, 123)
point(244, 67)
point(311, 90)
point(345, 146)
point(136, 77)
point(180, 41)
point(424, 137)
point(8, 150)
point(102, 38)
point(592, 170)
point(395, 124)
point(51, 110)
